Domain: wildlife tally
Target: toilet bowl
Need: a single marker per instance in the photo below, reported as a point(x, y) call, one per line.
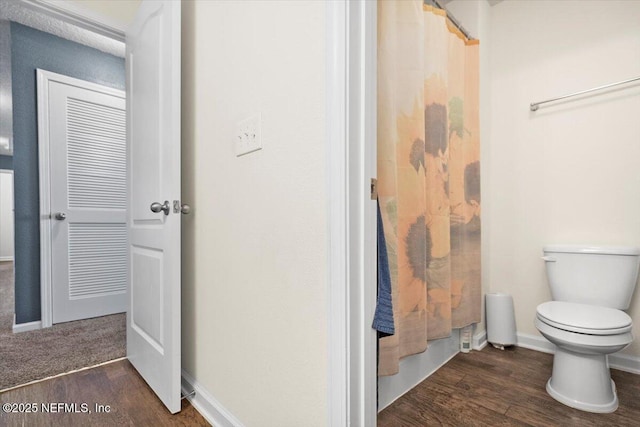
point(590, 286)
point(584, 335)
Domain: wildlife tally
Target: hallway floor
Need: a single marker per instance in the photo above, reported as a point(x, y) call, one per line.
point(502, 388)
point(33, 355)
point(117, 385)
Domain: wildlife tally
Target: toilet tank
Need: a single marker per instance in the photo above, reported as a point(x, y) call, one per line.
point(604, 276)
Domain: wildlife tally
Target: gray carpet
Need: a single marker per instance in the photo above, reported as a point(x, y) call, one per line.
point(34, 355)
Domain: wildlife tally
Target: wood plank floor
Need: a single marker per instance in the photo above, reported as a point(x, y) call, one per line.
point(502, 388)
point(131, 401)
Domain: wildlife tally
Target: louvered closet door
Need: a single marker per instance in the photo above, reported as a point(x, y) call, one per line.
point(88, 188)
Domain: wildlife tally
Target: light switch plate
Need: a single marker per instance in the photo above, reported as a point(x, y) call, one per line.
point(248, 135)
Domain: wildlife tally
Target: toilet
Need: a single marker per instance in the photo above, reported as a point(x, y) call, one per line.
point(590, 287)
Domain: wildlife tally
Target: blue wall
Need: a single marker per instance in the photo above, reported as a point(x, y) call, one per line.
point(32, 49)
point(6, 162)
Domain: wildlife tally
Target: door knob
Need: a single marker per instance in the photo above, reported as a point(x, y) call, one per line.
point(185, 209)
point(157, 207)
point(60, 216)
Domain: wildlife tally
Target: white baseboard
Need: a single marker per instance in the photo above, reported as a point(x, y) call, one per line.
point(24, 327)
point(479, 340)
point(534, 342)
point(625, 362)
point(620, 361)
point(207, 405)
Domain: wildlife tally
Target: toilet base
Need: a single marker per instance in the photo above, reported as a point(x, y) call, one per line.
point(583, 382)
point(588, 407)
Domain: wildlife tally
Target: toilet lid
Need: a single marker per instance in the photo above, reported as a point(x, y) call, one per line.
point(583, 318)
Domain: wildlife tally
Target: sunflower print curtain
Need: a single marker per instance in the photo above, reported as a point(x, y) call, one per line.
point(428, 175)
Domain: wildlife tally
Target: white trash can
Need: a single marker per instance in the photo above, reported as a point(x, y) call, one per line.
point(501, 320)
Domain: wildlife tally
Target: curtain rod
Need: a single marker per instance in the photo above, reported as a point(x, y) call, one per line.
point(450, 17)
point(535, 105)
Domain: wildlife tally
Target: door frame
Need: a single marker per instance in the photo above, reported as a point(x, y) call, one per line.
point(351, 116)
point(44, 171)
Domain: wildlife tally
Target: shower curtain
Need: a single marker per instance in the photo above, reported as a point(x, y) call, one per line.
point(428, 175)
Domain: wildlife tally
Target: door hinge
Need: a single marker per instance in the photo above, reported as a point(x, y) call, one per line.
point(374, 189)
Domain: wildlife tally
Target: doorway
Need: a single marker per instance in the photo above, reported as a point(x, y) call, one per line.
point(28, 352)
point(153, 279)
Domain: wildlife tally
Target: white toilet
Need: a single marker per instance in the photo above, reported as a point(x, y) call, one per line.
point(590, 287)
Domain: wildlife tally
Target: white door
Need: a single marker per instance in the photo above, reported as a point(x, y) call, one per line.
point(6, 215)
point(153, 133)
point(87, 160)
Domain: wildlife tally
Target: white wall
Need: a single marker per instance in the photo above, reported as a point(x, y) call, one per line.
point(6, 215)
point(567, 173)
point(254, 263)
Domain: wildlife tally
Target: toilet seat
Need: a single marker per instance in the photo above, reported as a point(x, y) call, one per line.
point(583, 318)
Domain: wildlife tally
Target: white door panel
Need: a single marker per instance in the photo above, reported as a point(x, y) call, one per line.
point(87, 170)
point(153, 118)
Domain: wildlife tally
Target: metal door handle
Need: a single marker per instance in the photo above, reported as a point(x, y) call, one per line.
point(60, 216)
point(157, 207)
point(185, 209)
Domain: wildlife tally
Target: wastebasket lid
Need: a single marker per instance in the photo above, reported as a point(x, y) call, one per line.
point(583, 318)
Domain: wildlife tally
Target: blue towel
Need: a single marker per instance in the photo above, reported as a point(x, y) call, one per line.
point(383, 319)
